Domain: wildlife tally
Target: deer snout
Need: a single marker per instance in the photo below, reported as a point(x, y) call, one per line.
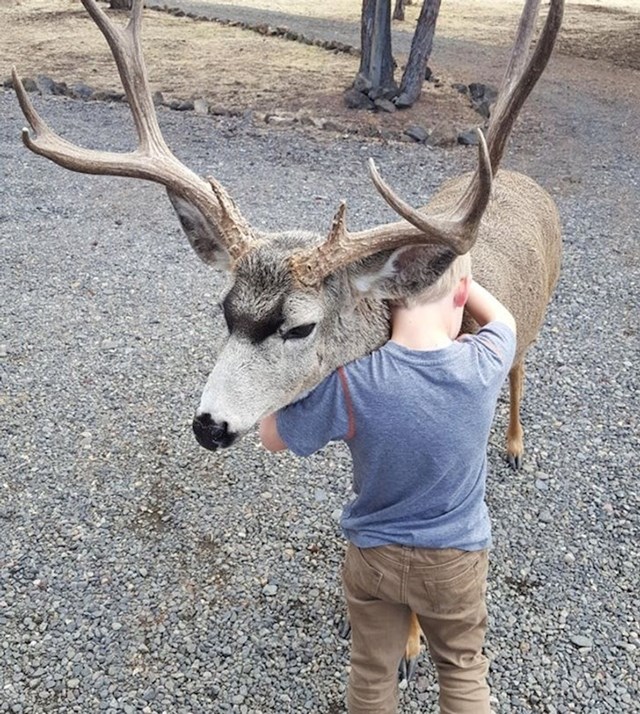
point(211, 434)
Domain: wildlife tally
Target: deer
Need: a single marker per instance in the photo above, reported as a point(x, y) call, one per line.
point(299, 305)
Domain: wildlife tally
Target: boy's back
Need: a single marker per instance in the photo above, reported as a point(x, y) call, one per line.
point(417, 424)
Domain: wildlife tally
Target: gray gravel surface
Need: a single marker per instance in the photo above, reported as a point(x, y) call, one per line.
point(139, 573)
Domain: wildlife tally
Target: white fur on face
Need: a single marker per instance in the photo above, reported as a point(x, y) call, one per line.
point(250, 379)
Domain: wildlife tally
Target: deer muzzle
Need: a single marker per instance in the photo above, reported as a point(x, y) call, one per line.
point(211, 434)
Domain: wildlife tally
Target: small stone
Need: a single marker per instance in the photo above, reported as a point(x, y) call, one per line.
point(270, 590)
point(468, 138)
point(541, 485)
point(73, 683)
point(569, 558)
point(385, 105)
point(581, 641)
point(281, 120)
point(201, 107)
point(158, 99)
point(417, 133)
point(545, 516)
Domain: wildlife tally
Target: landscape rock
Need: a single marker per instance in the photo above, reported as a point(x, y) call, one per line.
point(354, 99)
point(417, 133)
point(46, 85)
point(443, 135)
point(81, 91)
point(468, 138)
point(201, 107)
point(402, 101)
point(385, 105)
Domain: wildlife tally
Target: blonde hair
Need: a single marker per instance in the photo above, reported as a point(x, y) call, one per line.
point(446, 283)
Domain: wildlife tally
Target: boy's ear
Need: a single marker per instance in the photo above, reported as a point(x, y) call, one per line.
point(396, 273)
point(461, 294)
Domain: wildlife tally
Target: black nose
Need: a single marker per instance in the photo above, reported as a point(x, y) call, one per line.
point(211, 434)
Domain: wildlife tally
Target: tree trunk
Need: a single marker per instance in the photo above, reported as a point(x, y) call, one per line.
point(398, 10)
point(421, 47)
point(376, 60)
point(119, 4)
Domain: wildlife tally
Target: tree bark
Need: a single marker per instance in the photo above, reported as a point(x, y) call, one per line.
point(376, 60)
point(398, 10)
point(421, 46)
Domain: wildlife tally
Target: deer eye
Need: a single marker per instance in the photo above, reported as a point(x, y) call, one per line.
point(297, 333)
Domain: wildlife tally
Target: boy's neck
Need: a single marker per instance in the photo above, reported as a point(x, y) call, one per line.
point(430, 326)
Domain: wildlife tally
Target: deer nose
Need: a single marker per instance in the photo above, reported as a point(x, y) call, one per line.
point(211, 434)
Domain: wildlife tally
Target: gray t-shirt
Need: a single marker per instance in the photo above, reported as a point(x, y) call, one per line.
point(417, 424)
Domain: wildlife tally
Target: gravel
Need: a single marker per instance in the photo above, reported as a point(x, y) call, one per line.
point(139, 573)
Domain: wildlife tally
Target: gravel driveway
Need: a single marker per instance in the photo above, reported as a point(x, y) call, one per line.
point(139, 573)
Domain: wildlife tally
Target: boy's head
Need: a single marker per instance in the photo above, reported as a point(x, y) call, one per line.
point(454, 279)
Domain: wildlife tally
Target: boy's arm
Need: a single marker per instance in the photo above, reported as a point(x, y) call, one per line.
point(485, 308)
point(308, 424)
point(269, 436)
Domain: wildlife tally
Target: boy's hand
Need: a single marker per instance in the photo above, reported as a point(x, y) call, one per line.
point(269, 436)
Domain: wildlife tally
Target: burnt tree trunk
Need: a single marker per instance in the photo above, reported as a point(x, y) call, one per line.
point(421, 47)
point(376, 61)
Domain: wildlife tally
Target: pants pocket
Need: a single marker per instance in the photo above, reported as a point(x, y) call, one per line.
point(457, 584)
point(360, 577)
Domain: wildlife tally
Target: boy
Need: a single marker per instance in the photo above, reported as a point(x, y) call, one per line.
point(416, 415)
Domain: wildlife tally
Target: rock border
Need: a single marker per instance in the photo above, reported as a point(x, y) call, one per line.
point(262, 29)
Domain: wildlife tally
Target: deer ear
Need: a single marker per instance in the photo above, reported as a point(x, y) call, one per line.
point(401, 272)
point(202, 234)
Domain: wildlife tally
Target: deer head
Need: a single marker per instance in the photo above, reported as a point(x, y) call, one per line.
point(297, 305)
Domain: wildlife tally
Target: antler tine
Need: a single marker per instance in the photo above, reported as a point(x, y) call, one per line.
point(455, 230)
point(126, 48)
point(152, 160)
point(520, 77)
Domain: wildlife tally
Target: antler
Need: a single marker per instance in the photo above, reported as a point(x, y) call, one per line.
point(521, 76)
point(152, 160)
point(456, 229)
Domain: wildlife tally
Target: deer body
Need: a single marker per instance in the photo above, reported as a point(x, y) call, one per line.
point(518, 251)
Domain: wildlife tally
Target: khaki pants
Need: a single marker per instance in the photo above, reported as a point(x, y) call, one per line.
point(446, 590)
